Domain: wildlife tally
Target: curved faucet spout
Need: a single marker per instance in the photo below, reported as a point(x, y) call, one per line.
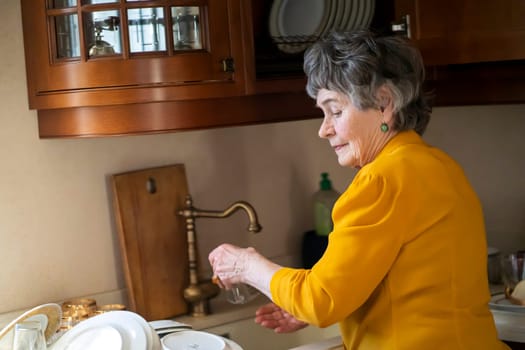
point(197, 293)
point(253, 226)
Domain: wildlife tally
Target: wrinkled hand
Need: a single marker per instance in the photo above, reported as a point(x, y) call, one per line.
point(230, 263)
point(273, 317)
point(234, 265)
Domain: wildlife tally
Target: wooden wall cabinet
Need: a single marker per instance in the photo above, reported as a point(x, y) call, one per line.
point(466, 31)
point(109, 52)
point(473, 50)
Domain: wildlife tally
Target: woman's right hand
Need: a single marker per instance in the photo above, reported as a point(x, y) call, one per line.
point(232, 265)
point(273, 317)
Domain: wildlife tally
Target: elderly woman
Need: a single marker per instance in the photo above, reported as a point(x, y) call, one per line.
point(405, 266)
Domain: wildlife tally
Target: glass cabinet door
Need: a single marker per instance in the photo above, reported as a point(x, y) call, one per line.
point(102, 33)
point(148, 28)
point(132, 51)
point(67, 36)
point(186, 27)
point(60, 4)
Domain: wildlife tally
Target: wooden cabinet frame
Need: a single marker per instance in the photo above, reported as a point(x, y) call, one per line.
point(129, 78)
point(155, 105)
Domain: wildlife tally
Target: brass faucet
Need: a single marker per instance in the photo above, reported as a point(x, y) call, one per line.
point(197, 294)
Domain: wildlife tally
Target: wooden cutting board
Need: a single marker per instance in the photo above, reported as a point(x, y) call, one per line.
point(152, 239)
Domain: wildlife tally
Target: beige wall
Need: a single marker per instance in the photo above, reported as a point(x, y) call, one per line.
point(57, 239)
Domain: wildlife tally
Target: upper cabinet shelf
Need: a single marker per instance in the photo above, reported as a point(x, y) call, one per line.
point(113, 67)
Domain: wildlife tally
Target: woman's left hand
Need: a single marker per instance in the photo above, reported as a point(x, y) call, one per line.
point(273, 317)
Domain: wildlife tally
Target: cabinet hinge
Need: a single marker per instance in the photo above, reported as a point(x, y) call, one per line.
point(228, 65)
point(402, 26)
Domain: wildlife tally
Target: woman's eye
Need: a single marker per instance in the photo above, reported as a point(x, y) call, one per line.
point(336, 113)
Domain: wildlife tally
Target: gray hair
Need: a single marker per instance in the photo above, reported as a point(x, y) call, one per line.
point(358, 63)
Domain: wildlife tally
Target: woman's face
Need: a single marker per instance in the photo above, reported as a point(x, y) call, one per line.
point(354, 135)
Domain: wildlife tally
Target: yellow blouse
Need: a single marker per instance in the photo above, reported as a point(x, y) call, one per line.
point(406, 263)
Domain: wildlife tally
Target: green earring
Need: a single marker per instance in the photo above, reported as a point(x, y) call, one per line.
point(384, 127)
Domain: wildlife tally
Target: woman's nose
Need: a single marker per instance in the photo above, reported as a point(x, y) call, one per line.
point(326, 129)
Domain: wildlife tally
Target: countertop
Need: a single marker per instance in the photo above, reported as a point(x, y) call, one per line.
point(222, 312)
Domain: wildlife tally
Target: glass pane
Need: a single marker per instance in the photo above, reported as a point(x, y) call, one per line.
point(60, 4)
point(186, 28)
point(90, 2)
point(102, 33)
point(147, 30)
point(67, 36)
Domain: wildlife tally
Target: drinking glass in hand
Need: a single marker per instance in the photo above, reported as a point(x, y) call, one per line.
point(241, 293)
point(29, 335)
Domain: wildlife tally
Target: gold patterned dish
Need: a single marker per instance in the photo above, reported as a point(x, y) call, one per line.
point(47, 314)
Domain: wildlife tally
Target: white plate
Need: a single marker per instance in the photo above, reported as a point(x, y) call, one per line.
point(353, 14)
point(301, 17)
point(272, 23)
point(499, 302)
point(298, 18)
point(339, 15)
point(372, 12)
point(368, 13)
point(231, 345)
point(134, 331)
point(153, 338)
point(346, 10)
point(96, 338)
point(361, 4)
point(47, 314)
point(160, 325)
point(360, 14)
point(194, 340)
point(331, 17)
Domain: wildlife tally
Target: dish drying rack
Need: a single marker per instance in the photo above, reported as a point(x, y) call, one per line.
point(295, 39)
point(294, 43)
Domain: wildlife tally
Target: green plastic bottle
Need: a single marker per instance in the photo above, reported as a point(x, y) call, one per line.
point(324, 200)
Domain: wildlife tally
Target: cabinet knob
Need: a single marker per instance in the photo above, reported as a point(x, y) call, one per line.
point(228, 65)
point(402, 26)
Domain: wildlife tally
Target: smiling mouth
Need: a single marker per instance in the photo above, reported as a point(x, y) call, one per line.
point(339, 147)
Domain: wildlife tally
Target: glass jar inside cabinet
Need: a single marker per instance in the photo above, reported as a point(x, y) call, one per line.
point(148, 28)
point(95, 44)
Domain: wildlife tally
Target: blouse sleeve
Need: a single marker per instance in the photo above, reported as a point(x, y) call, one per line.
point(369, 224)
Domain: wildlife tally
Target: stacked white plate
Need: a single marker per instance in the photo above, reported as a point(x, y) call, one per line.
point(163, 327)
point(115, 330)
point(509, 318)
point(197, 340)
point(295, 23)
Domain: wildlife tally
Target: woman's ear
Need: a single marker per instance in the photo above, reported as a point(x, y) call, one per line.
point(385, 102)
